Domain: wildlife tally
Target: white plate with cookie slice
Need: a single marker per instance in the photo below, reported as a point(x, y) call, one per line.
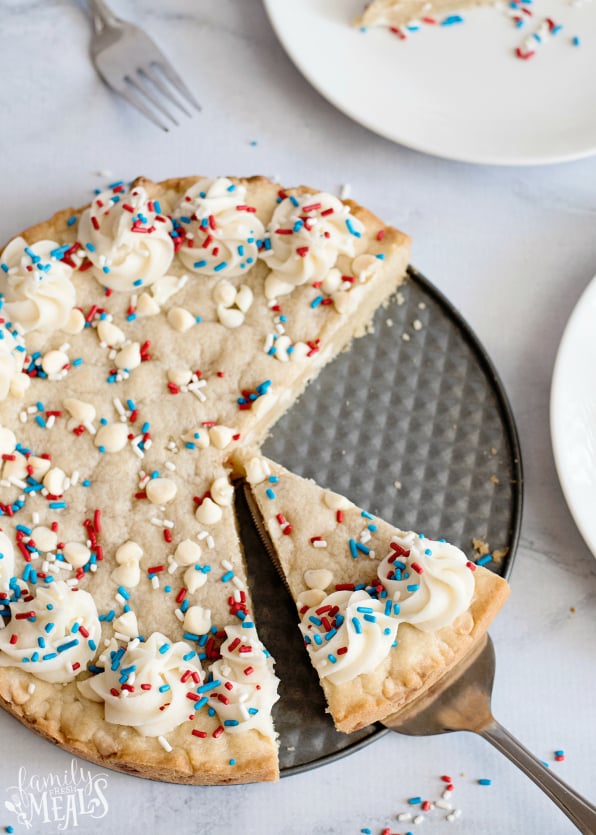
point(573, 415)
point(483, 106)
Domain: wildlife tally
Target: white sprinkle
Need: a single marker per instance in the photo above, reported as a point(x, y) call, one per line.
point(345, 191)
point(50, 421)
point(74, 479)
point(35, 518)
point(443, 804)
point(210, 542)
point(405, 816)
point(163, 742)
point(31, 410)
point(238, 582)
point(167, 523)
point(120, 599)
point(452, 816)
point(118, 406)
point(320, 543)
point(31, 689)
point(17, 482)
point(268, 343)
point(418, 819)
point(179, 614)
point(365, 536)
point(23, 416)
point(170, 466)
point(155, 581)
point(202, 535)
point(446, 794)
point(157, 522)
point(120, 636)
point(227, 565)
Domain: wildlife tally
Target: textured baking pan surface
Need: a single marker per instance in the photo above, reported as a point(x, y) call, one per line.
point(412, 424)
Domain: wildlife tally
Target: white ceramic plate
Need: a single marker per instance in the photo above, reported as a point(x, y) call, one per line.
point(573, 414)
point(458, 91)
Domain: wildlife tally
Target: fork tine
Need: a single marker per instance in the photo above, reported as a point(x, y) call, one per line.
point(170, 73)
point(139, 82)
point(133, 98)
point(155, 78)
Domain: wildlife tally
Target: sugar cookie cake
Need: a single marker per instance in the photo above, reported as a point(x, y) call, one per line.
point(143, 339)
point(384, 613)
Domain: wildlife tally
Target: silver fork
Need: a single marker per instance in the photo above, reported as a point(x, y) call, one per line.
point(132, 64)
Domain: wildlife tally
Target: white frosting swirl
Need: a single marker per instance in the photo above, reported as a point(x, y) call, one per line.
point(248, 685)
point(425, 583)
point(145, 684)
point(433, 587)
point(221, 234)
point(127, 239)
point(304, 238)
point(59, 638)
point(6, 563)
point(12, 358)
point(37, 289)
point(359, 636)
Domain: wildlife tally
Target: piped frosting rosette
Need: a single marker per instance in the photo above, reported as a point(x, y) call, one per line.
point(349, 633)
point(247, 687)
point(219, 233)
point(304, 238)
point(146, 684)
point(127, 239)
point(430, 580)
point(52, 636)
point(12, 358)
point(422, 582)
point(36, 285)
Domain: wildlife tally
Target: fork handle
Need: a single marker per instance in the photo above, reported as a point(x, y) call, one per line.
point(576, 807)
point(102, 15)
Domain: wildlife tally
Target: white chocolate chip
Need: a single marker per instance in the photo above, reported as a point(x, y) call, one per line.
point(181, 319)
point(16, 468)
point(208, 513)
point(129, 357)
point(222, 492)
point(76, 554)
point(244, 298)
point(110, 333)
point(179, 376)
point(128, 574)
point(335, 501)
point(54, 481)
point(112, 437)
point(221, 436)
point(275, 286)
point(81, 411)
point(19, 385)
point(76, 321)
point(45, 538)
point(344, 302)
point(264, 404)
point(161, 490)
point(300, 352)
point(8, 441)
point(230, 317)
point(40, 466)
point(188, 552)
point(332, 281)
point(197, 619)
point(312, 597)
point(257, 470)
point(281, 348)
point(127, 624)
point(193, 579)
point(54, 361)
point(128, 552)
point(224, 293)
point(365, 266)
point(318, 578)
point(147, 306)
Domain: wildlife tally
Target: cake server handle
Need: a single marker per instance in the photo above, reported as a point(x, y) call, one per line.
point(577, 808)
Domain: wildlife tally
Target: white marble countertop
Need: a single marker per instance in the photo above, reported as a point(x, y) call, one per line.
point(512, 248)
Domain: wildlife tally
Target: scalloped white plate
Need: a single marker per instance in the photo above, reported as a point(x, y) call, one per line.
point(573, 414)
point(457, 92)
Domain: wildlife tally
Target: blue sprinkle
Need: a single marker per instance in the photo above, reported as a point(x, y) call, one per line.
point(485, 782)
point(451, 19)
point(270, 494)
point(484, 560)
point(575, 41)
